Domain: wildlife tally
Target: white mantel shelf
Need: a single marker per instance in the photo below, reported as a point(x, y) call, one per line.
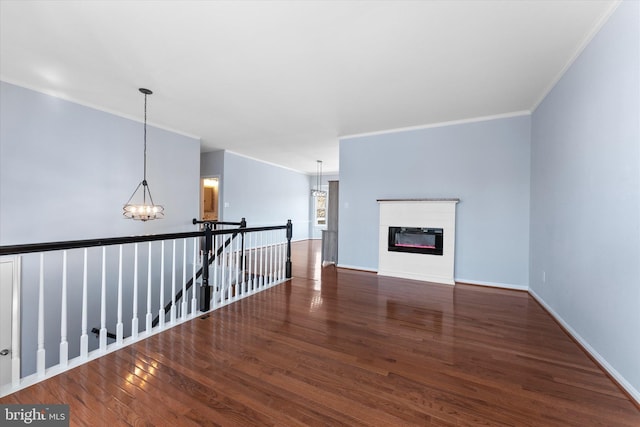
point(421, 213)
point(418, 200)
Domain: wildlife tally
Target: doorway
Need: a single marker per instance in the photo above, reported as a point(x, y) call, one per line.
point(209, 197)
point(9, 316)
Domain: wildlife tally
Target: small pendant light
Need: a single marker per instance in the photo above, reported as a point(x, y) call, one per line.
point(318, 190)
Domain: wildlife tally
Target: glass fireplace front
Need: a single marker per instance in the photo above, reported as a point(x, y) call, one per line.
point(416, 240)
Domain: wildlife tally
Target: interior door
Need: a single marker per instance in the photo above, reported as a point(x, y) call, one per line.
point(7, 279)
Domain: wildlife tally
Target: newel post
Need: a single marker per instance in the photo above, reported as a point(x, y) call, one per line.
point(243, 224)
point(205, 289)
point(289, 236)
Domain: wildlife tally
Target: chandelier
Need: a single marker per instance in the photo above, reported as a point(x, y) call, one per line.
point(318, 190)
point(146, 210)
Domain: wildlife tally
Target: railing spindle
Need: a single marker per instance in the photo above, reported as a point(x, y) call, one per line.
point(103, 302)
point(41, 351)
point(275, 255)
point(261, 275)
point(119, 325)
point(284, 256)
point(84, 338)
point(172, 316)
point(231, 272)
point(252, 271)
point(271, 247)
point(194, 301)
point(256, 258)
point(183, 311)
point(161, 312)
point(276, 261)
point(274, 242)
point(279, 256)
point(274, 258)
point(223, 270)
point(215, 283)
point(236, 272)
point(243, 265)
point(265, 278)
point(267, 269)
point(223, 276)
point(149, 319)
point(281, 261)
point(241, 262)
point(279, 245)
point(64, 344)
point(134, 316)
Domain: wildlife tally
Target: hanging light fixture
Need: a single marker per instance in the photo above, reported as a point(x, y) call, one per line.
point(146, 210)
point(318, 192)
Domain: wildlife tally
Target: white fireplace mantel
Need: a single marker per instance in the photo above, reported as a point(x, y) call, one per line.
point(422, 213)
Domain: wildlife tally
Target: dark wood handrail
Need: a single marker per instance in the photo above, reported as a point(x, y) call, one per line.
point(75, 244)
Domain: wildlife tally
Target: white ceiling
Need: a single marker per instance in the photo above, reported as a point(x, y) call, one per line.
point(280, 81)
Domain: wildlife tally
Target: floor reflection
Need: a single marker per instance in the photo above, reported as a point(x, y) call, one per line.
point(412, 314)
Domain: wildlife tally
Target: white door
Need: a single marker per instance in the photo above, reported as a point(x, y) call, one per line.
point(7, 284)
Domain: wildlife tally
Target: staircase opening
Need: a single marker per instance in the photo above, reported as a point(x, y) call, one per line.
point(124, 289)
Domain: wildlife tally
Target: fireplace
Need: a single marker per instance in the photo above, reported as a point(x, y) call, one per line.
point(416, 240)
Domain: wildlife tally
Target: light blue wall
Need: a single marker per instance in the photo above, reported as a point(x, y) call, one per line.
point(264, 194)
point(65, 172)
point(585, 196)
point(212, 163)
point(484, 164)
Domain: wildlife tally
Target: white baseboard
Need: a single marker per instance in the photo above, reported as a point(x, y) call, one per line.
point(357, 267)
point(417, 276)
point(633, 392)
point(493, 284)
point(456, 280)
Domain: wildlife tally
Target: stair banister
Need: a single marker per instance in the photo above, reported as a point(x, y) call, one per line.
point(244, 274)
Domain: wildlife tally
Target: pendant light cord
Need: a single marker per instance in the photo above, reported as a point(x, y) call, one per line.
point(145, 141)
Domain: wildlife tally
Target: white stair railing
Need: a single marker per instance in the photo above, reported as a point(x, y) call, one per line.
point(97, 285)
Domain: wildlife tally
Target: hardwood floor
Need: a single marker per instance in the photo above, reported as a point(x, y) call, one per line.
point(339, 347)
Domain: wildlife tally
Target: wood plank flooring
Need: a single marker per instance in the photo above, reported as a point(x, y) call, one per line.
point(338, 347)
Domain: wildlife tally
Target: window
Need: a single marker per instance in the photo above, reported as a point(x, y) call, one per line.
point(320, 208)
